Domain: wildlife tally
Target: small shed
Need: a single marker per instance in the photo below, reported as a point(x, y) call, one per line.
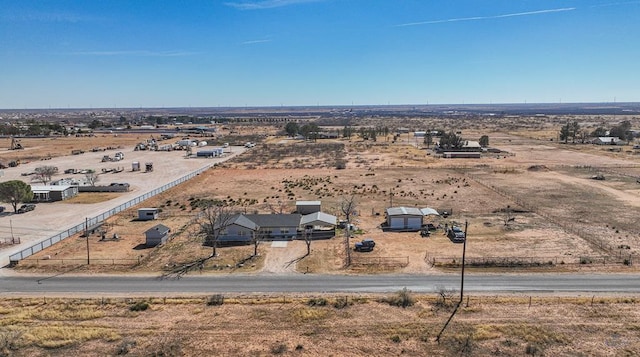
point(404, 218)
point(147, 214)
point(307, 207)
point(156, 235)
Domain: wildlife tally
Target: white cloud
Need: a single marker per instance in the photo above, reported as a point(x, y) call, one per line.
point(266, 4)
point(251, 42)
point(141, 53)
point(476, 18)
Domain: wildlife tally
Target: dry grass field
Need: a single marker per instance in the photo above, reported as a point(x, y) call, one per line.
point(562, 221)
point(327, 325)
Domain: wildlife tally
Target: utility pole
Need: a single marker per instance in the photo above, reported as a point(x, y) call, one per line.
point(86, 233)
point(464, 249)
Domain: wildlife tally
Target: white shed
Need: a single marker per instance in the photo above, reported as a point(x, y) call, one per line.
point(404, 218)
point(156, 235)
point(147, 214)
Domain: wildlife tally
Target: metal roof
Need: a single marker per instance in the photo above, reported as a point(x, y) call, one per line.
point(318, 219)
point(428, 210)
point(160, 228)
point(308, 203)
point(49, 188)
point(403, 211)
point(275, 220)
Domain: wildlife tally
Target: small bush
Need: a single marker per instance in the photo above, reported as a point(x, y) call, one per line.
point(395, 338)
point(402, 299)
point(341, 302)
point(215, 300)
point(279, 349)
point(317, 302)
point(532, 350)
point(125, 347)
point(139, 306)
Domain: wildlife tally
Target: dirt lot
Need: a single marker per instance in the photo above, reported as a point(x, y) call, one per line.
point(328, 325)
point(557, 214)
point(51, 218)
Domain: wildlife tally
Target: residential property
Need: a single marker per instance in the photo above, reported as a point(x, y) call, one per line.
point(238, 229)
point(147, 214)
point(157, 235)
point(244, 227)
point(608, 140)
point(51, 193)
point(276, 226)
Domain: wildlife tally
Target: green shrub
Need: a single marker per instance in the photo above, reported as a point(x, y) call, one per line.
point(317, 302)
point(402, 299)
point(139, 306)
point(215, 300)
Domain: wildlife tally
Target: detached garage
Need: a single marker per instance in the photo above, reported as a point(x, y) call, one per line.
point(404, 219)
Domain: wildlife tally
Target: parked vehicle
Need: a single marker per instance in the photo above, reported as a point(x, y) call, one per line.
point(365, 246)
point(456, 234)
point(26, 208)
point(2, 208)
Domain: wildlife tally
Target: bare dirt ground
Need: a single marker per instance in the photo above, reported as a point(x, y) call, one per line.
point(559, 215)
point(542, 180)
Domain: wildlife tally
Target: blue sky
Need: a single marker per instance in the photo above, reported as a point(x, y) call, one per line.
point(125, 53)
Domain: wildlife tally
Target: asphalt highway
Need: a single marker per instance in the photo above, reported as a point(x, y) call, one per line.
point(93, 285)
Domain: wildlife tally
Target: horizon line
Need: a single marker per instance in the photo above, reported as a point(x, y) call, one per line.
point(322, 106)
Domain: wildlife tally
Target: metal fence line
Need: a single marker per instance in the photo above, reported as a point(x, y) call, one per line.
point(15, 258)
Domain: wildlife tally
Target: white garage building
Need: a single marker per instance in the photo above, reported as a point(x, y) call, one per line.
point(404, 218)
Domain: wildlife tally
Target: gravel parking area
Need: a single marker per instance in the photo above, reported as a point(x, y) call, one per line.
point(50, 218)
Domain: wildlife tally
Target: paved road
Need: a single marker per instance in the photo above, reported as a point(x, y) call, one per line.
point(300, 283)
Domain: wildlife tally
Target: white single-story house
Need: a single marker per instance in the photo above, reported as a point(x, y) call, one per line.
point(306, 207)
point(51, 193)
point(243, 227)
point(238, 229)
point(608, 140)
point(156, 235)
point(404, 218)
point(147, 214)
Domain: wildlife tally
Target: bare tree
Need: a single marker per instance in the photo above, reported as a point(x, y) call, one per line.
point(91, 177)
point(348, 208)
point(212, 224)
point(256, 238)
point(278, 207)
point(44, 173)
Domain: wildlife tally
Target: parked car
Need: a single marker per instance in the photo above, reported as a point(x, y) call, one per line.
point(456, 234)
point(365, 246)
point(26, 208)
point(2, 208)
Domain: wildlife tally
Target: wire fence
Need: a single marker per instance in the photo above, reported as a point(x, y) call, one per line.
point(593, 239)
point(15, 240)
point(92, 222)
point(357, 260)
point(528, 261)
point(77, 261)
